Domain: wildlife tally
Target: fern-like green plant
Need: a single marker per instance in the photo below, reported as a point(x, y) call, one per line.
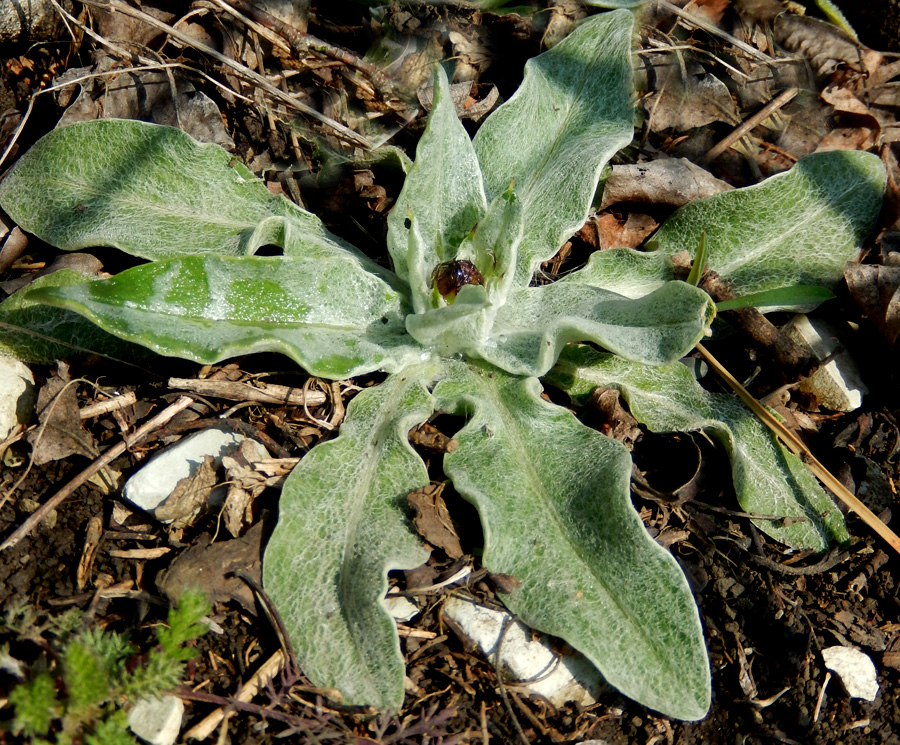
point(95, 678)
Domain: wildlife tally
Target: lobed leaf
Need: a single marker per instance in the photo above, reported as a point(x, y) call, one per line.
point(342, 525)
point(553, 496)
point(153, 192)
point(768, 479)
point(552, 139)
point(536, 323)
point(443, 191)
point(799, 227)
point(328, 314)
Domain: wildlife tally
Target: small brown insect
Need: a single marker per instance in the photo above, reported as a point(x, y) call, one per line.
point(448, 277)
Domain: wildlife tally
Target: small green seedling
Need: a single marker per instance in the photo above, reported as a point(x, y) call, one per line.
point(459, 328)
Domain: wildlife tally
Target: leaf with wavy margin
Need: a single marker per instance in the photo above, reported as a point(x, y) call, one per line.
point(799, 227)
point(768, 479)
point(342, 526)
point(329, 314)
point(536, 323)
point(554, 501)
point(34, 332)
point(153, 192)
point(552, 139)
point(443, 191)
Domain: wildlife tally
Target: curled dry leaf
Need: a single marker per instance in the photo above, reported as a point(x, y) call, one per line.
point(823, 43)
point(672, 181)
point(245, 484)
point(684, 102)
point(213, 569)
point(432, 519)
point(190, 499)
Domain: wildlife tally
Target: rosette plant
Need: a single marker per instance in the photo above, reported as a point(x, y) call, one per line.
point(457, 326)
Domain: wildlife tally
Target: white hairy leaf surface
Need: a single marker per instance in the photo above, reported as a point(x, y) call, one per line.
point(799, 227)
point(534, 325)
point(553, 138)
point(443, 191)
point(329, 314)
point(768, 479)
point(341, 527)
point(624, 271)
point(153, 192)
point(35, 332)
point(553, 496)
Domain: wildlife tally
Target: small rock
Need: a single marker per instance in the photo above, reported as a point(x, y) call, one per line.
point(157, 721)
point(533, 665)
point(401, 608)
point(16, 395)
point(855, 669)
point(153, 484)
point(838, 385)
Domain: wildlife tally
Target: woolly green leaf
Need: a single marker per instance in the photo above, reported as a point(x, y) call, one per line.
point(460, 327)
point(443, 191)
point(768, 480)
point(153, 192)
point(552, 139)
point(341, 527)
point(463, 324)
point(799, 227)
point(330, 315)
point(624, 271)
point(553, 496)
point(535, 324)
point(34, 332)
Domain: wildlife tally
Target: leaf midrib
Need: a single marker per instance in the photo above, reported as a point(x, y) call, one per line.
point(520, 447)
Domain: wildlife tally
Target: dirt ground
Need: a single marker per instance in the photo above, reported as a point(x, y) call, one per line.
point(767, 614)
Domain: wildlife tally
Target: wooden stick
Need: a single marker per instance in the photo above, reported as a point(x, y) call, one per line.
point(267, 671)
point(267, 393)
point(745, 127)
point(35, 518)
point(798, 447)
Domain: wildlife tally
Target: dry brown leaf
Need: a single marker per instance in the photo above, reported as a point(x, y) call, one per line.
point(712, 9)
point(60, 433)
point(147, 95)
point(671, 181)
point(212, 569)
point(606, 230)
point(687, 97)
point(824, 44)
point(190, 498)
point(432, 519)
